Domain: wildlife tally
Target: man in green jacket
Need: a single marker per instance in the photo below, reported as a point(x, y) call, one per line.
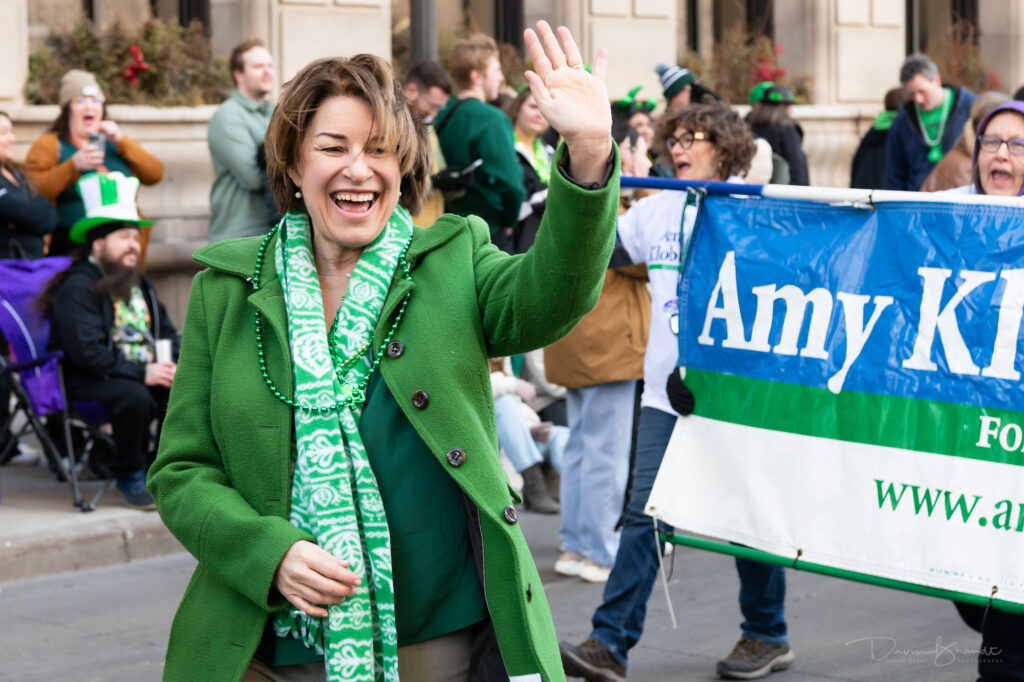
point(236, 130)
point(470, 130)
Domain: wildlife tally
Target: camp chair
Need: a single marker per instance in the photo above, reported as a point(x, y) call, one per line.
point(37, 381)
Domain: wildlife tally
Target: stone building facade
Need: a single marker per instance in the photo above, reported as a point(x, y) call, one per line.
point(848, 51)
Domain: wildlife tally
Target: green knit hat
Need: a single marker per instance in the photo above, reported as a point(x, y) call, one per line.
point(108, 198)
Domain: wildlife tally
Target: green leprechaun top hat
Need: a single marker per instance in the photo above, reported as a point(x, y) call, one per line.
point(108, 198)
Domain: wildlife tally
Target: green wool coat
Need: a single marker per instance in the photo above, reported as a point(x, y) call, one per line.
point(223, 475)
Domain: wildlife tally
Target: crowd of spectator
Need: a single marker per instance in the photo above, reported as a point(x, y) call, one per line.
point(583, 422)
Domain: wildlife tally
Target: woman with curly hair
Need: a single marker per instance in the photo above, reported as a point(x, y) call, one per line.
point(706, 142)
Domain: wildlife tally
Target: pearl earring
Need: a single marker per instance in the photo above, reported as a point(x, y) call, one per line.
point(298, 195)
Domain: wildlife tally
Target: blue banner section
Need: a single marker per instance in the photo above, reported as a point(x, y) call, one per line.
point(910, 299)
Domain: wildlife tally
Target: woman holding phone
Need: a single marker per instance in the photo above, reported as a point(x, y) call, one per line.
point(82, 140)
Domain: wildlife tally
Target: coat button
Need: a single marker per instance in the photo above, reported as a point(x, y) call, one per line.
point(456, 457)
point(420, 400)
point(529, 593)
point(395, 349)
point(510, 514)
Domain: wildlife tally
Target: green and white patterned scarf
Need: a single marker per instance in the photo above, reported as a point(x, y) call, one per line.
point(334, 493)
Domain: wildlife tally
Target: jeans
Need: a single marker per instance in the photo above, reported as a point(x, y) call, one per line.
point(596, 468)
point(515, 439)
point(618, 622)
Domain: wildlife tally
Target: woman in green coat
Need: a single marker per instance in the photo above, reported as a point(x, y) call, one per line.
point(329, 454)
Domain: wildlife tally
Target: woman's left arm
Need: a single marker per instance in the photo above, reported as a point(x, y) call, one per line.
point(145, 166)
point(532, 300)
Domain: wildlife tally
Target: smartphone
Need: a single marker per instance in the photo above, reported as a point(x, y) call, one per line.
point(100, 140)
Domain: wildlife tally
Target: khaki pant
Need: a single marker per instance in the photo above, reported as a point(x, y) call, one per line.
point(442, 659)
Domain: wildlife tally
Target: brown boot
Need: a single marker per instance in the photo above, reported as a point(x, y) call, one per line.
point(554, 481)
point(535, 492)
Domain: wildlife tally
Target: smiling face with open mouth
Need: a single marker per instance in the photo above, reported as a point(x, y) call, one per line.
point(1001, 172)
point(85, 114)
point(349, 183)
point(694, 159)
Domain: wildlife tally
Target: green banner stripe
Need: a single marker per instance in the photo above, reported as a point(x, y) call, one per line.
point(832, 571)
point(921, 425)
point(664, 266)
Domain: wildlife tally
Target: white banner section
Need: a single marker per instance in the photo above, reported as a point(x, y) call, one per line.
point(934, 520)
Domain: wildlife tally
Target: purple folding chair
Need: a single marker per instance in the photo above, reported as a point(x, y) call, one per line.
point(37, 380)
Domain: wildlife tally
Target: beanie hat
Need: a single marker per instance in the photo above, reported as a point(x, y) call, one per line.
point(674, 79)
point(76, 83)
point(108, 198)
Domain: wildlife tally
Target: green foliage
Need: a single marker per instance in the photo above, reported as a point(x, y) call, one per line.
point(178, 70)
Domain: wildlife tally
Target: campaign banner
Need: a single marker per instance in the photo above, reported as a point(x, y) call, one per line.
point(857, 378)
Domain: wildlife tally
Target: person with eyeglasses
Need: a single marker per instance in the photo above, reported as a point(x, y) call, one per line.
point(998, 170)
point(81, 141)
point(997, 162)
point(706, 142)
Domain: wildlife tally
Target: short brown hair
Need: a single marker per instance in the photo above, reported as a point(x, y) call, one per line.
point(471, 54)
point(734, 145)
point(235, 61)
point(365, 77)
point(429, 74)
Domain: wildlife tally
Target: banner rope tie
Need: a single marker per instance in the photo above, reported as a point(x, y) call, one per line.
point(988, 607)
point(661, 569)
point(799, 553)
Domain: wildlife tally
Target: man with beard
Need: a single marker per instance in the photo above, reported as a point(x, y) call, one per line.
point(107, 320)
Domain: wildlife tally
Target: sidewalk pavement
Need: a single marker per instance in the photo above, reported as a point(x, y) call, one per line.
point(41, 532)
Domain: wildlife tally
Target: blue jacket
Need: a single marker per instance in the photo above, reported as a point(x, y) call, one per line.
point(906, 154)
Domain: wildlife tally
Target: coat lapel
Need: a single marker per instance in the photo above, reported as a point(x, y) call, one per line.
point(269, 301)
point(424, 240)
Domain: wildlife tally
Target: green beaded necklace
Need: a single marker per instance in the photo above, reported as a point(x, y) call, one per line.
point(356, 394)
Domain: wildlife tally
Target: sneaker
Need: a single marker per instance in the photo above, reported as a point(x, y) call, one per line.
point(569, 564)
point(591, 661)
point(754, 658)
point(594, 573)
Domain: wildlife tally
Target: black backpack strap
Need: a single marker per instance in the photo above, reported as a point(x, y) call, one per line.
point(439, 128)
